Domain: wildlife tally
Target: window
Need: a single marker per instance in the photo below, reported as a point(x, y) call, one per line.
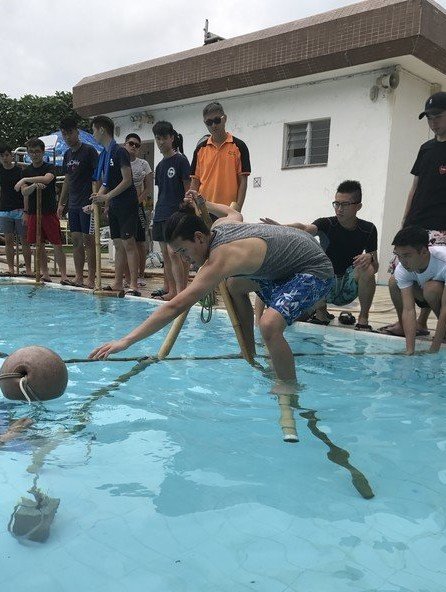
point(306, 143)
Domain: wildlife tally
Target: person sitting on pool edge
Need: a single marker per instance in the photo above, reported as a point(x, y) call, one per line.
point(420, 277)
point(286, 267)
point(351, 245)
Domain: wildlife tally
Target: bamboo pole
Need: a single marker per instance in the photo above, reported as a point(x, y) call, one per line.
point(97, 244)
point(227, 297)
point(172, 335)
point(38, 252)
point(98, 291)
point(286, 420)
point(17, 254)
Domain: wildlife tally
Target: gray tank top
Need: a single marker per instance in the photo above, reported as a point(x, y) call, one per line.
point(289, 251)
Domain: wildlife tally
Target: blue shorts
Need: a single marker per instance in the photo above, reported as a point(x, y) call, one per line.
point(12, 222)
point(293, 297)
point(345, 288)
point(79, 221)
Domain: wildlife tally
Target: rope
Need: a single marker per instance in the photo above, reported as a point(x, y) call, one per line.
point(207, 305)
point(27, 391)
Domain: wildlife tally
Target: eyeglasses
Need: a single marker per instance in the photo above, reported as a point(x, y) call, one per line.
point(343, 204)
point(134, 144)
point(215, 120)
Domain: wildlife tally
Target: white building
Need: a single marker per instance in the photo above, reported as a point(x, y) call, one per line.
point(320, 100)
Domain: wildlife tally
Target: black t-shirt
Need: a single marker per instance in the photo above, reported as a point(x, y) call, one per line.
point(428, 208)
point(120, 158)
point(342, 245)
point(80, 165)
point(49, 201)
point(9, 198)
point(169, 176)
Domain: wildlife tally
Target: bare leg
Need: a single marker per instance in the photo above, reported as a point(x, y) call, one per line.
point(131, 253)
point(9, 250)
point(259, 307)
point(78, 257)
point(26, 250)
point(61, 261)
point(90, 251)
point(366, 291)
point(142, 252)
point(44, 263)
point(272, 326)
point(169, 279)
point(120, 260)
point(395, 294)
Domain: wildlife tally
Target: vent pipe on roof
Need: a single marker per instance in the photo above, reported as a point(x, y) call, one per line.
point(210, 37)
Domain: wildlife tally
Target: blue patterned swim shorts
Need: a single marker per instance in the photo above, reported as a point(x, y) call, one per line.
point(292, 297)
point(345, 288)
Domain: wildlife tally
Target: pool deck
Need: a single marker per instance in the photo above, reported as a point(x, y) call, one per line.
point(382, 311)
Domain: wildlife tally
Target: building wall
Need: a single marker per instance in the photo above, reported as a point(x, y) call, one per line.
point(406, 136)
point(363, 146)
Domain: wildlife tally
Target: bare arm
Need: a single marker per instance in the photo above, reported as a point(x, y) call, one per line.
point(440, 331)
point(409, 319)
point(206, 279)
point(310, 228)
point(194, 184)
point(241, 192)
point(63, 196)
point(409, 199)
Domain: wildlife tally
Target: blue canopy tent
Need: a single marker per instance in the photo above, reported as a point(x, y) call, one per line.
point(55, 146)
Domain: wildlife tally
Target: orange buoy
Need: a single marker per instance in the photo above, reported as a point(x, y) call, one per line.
point(33, 373)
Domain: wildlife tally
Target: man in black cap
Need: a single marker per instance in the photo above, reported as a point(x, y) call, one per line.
point(426, 202)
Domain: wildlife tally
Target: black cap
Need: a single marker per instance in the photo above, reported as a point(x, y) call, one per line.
point(435, 102)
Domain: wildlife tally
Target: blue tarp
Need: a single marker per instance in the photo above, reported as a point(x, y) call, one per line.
point(55, 147)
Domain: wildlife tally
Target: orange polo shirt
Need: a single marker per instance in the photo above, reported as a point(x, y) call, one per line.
point(218, 168)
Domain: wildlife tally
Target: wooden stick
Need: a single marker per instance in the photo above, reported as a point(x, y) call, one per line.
point(97, 244)
point(201, 204)
point(17, 246)
point(287, 421)
point(172, 335)
point(38, 252)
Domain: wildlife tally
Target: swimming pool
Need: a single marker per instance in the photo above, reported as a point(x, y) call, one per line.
point(177, 479)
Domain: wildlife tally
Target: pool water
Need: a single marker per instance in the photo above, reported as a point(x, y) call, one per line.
point(177, 478)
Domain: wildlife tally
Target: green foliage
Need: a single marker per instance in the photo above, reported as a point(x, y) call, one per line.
point(30, 116)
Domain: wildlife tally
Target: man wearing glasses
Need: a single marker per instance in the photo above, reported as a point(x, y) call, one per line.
point(220, 165)
point(351, 245)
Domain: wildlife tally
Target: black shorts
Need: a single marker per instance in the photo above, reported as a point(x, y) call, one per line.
point(142, 225)
point(158, 231)
point(123, 221)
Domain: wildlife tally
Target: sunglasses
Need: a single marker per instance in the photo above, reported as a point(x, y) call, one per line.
point(133, 144)
point(215, 120)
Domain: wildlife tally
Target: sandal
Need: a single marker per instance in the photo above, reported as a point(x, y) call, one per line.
point(346, 318)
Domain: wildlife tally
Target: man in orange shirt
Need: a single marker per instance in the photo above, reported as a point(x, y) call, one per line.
point(220, 166)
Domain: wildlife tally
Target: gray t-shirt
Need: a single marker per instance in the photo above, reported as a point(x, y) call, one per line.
point(140, 170)
point(80, 165)
point(289, 251)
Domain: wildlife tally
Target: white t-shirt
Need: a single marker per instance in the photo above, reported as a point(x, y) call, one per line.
point(140, 170)
point(436, 270)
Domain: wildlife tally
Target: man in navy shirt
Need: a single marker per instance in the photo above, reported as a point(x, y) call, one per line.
point(118, 192)
point(79, 164)
point(172, 177)
point(351, 245)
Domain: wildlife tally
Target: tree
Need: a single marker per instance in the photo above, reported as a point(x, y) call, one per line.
point(31, 115)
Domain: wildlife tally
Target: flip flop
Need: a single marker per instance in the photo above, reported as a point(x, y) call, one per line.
point(159, 292)
point(315, 321)
point(132, 293)
point(346, 318)
point(364, 327)
point(161, 297)
point(386, 330)
point(67, 283)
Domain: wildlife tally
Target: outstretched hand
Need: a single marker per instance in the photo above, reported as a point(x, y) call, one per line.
point(269, 221)
point(102, 352)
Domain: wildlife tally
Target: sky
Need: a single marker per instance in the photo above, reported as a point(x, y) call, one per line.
point(50, 45)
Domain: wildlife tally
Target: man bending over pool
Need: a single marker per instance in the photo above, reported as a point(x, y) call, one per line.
point(286, 267)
